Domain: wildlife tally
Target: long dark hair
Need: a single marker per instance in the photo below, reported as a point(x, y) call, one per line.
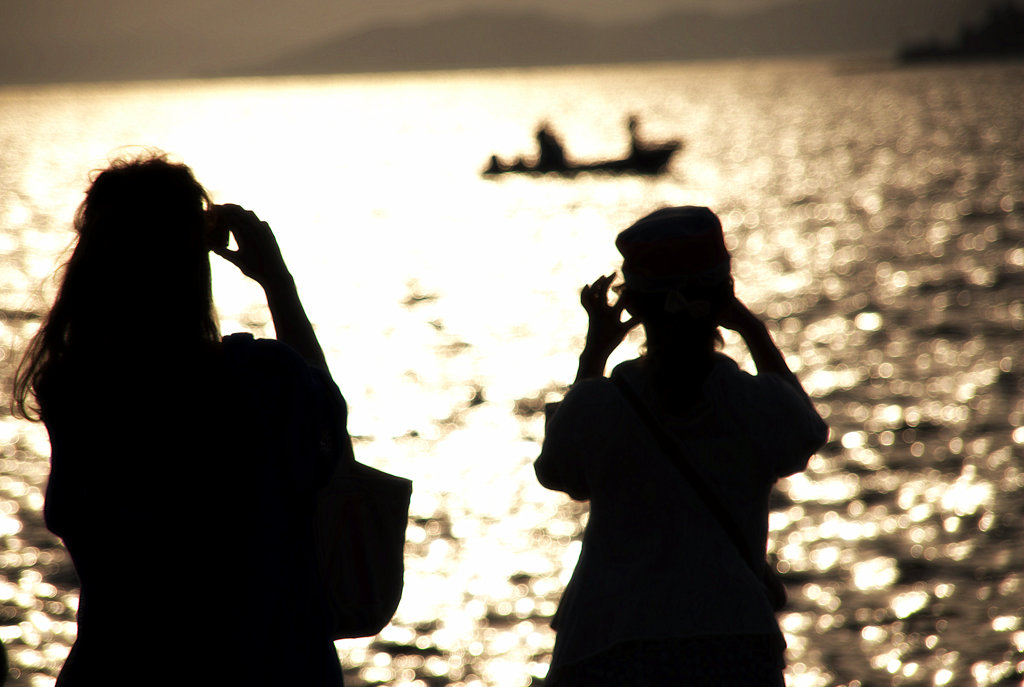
point(138, 277)
point(681, 326)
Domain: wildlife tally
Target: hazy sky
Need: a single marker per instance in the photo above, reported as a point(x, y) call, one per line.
point(72, 39)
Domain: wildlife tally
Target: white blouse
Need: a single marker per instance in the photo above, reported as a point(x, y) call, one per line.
point(655, 563)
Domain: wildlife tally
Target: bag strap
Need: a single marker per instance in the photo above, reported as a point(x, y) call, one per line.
point(673, 451)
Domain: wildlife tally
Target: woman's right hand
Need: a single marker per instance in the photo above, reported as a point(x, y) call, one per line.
point(257, 255)
point(605, 328)
point(766, 355)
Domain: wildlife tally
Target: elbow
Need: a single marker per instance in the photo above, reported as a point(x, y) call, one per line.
point(548, 475)
point(545, 475)
point(551, 478)
point(820, 435)
point(815, 440)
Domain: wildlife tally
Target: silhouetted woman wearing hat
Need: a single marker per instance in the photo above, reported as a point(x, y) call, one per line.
point(183, 466)
point(677, 453)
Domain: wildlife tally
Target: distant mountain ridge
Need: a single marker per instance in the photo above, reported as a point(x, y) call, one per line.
point(531, 39)
point(130, 47)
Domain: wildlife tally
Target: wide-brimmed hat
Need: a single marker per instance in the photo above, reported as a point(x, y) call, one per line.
point(674, 248)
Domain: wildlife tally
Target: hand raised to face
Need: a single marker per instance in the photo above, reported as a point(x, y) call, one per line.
point(606, 329)
point(257, 254)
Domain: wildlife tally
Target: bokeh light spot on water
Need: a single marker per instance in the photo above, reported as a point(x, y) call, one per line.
point(880, 572)
point(1005, 623)
point(908, 603)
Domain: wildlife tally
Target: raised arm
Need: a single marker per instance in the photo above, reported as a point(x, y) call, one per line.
point(259, 257)
point(766, 355)
point(605, 328)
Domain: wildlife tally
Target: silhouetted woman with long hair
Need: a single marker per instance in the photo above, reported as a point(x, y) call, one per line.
point(663, 593)
point(183, 465)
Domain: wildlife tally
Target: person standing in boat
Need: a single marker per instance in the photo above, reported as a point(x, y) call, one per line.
point(665, 591)
point(636, 146)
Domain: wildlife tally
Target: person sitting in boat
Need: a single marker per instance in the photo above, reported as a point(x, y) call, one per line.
point(551, 154)
point(495, 166)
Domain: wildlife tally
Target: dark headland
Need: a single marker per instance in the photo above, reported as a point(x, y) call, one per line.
point(999, 36)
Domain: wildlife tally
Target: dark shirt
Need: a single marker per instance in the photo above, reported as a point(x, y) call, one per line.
point(183, 490)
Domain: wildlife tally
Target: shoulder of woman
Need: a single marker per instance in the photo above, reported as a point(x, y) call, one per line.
point(587, 401)
point(593, 393)
point(750, 396)
point(268, 366)
point(245, 349)
point(773, 410)
point(726, 365)
point(727, 377)
point(631, 371)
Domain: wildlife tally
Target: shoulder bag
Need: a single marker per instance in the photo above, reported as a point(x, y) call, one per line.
point(359, 521)
point(359, 529)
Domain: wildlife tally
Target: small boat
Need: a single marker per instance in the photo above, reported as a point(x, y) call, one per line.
point(650, 160)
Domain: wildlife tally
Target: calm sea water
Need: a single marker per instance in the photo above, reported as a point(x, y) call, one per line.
point(876, 216)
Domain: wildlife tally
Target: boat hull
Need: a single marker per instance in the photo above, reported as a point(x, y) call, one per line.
point(649, 161)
